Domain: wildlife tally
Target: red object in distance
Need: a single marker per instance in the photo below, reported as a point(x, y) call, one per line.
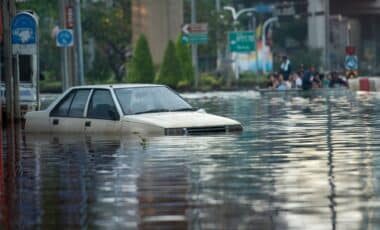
point(350, 50)
point(69, 17)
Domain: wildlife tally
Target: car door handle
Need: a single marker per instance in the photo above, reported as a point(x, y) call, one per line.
point(55, 122)
point(87, 124)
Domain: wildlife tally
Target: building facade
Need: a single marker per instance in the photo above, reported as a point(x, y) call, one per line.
point(159, 20)
point(350, 23)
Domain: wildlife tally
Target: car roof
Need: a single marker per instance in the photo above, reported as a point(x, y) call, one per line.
point(114, 86)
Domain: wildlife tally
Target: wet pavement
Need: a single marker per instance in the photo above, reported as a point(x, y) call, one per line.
point(304, 161)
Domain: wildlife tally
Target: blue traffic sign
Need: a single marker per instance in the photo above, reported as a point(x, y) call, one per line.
point(351, 62)
point(65, 38)
point(24, 33)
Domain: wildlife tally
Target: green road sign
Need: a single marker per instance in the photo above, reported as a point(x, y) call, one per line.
point(195, 38)
point(242, 41)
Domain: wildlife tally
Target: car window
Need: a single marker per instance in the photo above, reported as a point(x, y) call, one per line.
point(102, 106)
point(72, 105)
point(79, 103)
point(149, 99)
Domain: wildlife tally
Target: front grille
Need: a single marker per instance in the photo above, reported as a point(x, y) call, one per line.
point(203, 130)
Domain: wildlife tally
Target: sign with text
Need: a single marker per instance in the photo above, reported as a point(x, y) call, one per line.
point(242, 41)
point(24, 34)
point(196, 33)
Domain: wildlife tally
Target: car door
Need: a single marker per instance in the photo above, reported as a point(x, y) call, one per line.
point(68, 114)
point(102, 114)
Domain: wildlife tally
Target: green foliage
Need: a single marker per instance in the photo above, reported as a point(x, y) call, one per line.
point(48, 86)
point(250, 79)
point(111, 29)
point(170, 72)
point(184, 55)
point(208, 82)
point(141, 69)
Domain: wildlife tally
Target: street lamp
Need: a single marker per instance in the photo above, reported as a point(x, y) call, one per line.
point(263, 40)
point(235, 16)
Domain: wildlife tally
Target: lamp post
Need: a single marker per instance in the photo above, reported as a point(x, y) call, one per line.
point(79, 43)
point(235, 16)
point(263, 40)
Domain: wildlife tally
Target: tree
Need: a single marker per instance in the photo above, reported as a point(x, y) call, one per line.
point(184, 55)
point(141, 68)
point(110, 27)
point(170, 72)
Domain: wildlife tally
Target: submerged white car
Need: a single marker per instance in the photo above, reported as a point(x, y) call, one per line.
point(127, 109)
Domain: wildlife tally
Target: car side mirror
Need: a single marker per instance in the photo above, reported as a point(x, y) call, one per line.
point(201, 110)
point(113, 115)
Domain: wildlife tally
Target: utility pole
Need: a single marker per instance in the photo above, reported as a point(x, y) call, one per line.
point(194, 47)
point(327, 35)
point(79, 45)
point(8, 62)
point(219, 55)
point(63, 50)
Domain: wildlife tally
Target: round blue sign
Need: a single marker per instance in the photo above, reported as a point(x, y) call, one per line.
point(65, 38)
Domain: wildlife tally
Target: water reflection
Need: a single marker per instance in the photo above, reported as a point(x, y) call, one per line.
point(303, 161)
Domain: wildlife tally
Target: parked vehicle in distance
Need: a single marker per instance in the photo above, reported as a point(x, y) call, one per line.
point(28, 85)
point(28, 98)
point(128, 109)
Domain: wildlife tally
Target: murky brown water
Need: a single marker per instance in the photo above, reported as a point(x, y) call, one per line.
point(302, 162)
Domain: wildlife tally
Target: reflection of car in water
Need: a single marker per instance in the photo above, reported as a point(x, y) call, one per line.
point(127, 109)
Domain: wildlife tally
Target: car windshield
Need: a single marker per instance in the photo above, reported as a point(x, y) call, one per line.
point(150, 100)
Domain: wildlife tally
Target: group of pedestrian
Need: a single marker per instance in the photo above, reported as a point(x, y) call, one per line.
point(303, 79)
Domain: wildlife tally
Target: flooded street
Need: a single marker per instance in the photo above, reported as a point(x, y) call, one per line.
point(302, 162)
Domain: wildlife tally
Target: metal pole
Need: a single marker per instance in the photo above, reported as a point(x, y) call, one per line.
point(194, 47)
point(349, 34)
point(219, 54)
point(64, 66)
point(8, 62)
point(79, 46)
point(15, 72)
point(327, 34)
point(16, 91)
point(263, 40)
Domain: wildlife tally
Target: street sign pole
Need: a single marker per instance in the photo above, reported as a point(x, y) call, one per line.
point(194, 47)
point(9, 105)
point(64, 59)
point(79, 42)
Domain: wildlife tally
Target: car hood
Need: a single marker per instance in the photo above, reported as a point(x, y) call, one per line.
point(181, 119)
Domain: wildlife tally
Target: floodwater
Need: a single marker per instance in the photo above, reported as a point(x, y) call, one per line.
point(303, 162)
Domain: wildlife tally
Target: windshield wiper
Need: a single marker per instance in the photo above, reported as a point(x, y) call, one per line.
point(154, 111)
point(184, 109)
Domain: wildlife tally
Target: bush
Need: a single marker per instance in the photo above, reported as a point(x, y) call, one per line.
point(208, 82)
point(50, 86)
point(141, 69)
point(184, 85)
point(252, 79)
point(184, 55)
point(170, 72)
